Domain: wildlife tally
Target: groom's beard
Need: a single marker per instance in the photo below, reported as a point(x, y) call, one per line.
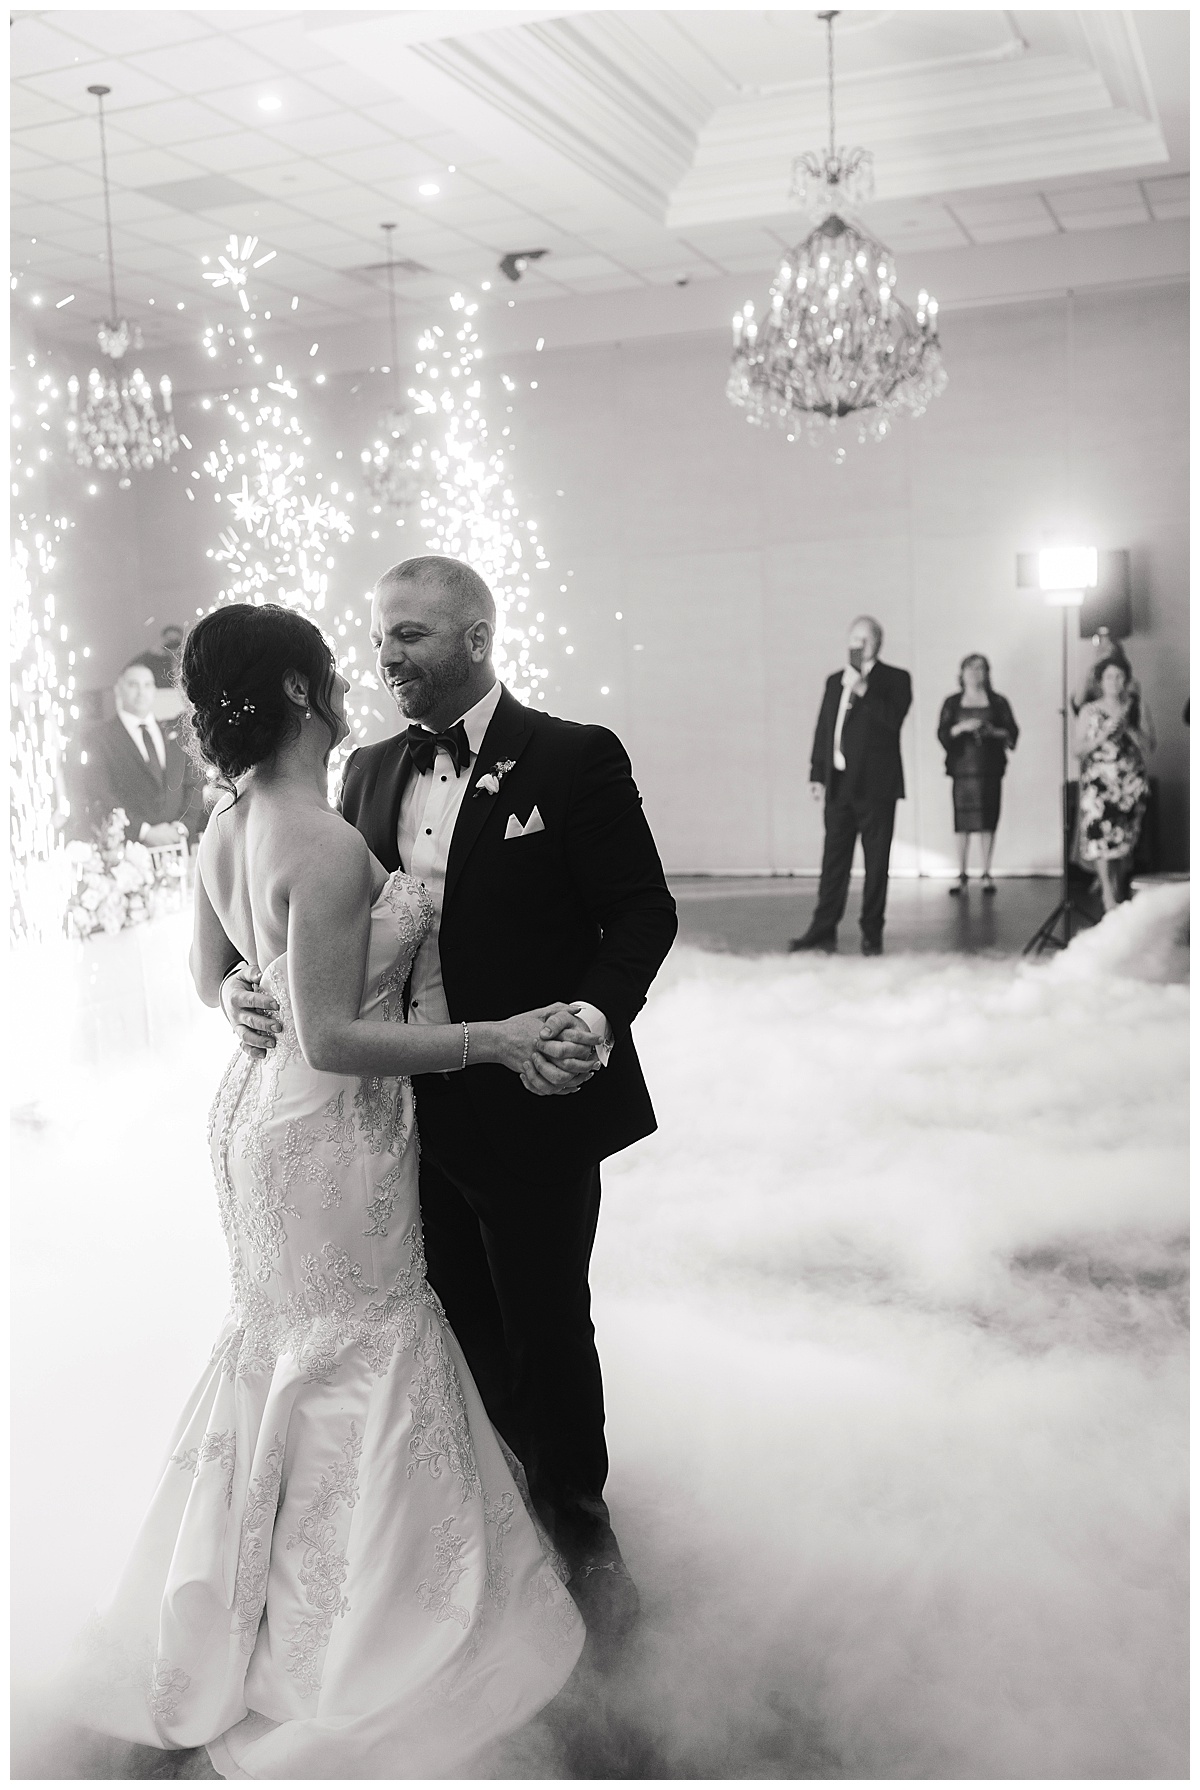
point(423, 690)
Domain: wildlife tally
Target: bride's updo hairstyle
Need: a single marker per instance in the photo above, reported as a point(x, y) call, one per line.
point(232, 670)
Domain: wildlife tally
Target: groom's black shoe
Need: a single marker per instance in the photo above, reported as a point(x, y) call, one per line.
point(815, 941)
point(872, 947)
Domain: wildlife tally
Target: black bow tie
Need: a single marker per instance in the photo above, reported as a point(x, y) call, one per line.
point(425, 746)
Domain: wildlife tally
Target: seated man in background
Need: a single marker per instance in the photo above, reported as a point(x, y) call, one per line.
point(132, 763)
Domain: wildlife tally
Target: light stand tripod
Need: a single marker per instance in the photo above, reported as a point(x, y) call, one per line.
point(1047, 937)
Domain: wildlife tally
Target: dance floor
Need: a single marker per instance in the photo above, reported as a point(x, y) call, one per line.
point(756, 914)
point(892, 1317)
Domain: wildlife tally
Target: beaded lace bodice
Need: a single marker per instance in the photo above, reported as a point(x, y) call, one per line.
point(317, 1174)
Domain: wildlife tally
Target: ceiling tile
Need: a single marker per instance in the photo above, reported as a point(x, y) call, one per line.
point(395, 161)
point(616, 282)
point(50, 221)
point(1170, 208)
point(306, 236)
point(84, 240)
point(210, 65)
point(472, 210)
point(35, 46)
point(238, 153)
point(1124, 195)
point(150, 167)
point(580, 267)
point(354, 88)
point(1167, 188)
point(298, 181)
point(185, 228)
point(283, 41)
point(299, 100)
point(119, 33)
point(335, 133)
point(685, 273)
point(1107, 219)
point(1003, 229)
point(451, 147)
point(63, 182)
point(25, 160)
point(130, 87)
point(174, 121)
point(1022, 208)
point(26, 107)
point(76, 140)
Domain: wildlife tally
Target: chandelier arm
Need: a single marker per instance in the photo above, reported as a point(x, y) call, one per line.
point(112, 275)
point(829, 17)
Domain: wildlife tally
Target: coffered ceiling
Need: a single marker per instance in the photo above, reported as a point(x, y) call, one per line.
point(637, 148)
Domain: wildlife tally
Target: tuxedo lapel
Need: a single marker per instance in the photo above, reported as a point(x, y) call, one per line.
point(506, 737)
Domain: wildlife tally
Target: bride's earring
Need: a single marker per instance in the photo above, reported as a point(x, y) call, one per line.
point(308, 714)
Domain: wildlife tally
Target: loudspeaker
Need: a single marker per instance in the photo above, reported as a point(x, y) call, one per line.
point(1110, 605)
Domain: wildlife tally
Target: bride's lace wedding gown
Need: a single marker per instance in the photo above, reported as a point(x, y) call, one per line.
point(337, 1577)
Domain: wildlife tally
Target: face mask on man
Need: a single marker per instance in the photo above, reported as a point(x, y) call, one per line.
point(856, 657)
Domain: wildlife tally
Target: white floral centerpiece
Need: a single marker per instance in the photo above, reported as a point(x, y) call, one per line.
point(118, 882)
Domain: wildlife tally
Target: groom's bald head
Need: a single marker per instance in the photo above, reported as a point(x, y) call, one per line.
point(461, 595)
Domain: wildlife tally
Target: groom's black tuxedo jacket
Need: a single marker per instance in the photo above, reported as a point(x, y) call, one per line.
point(577, 912)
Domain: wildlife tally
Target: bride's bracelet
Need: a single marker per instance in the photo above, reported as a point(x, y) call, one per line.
point(466, 1043)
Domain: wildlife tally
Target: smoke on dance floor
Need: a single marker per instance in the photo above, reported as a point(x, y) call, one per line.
point(892, 1316)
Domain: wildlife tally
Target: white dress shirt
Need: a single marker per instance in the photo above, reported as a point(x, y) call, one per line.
point(849, 678)
point(428, 812)
point(133, 725)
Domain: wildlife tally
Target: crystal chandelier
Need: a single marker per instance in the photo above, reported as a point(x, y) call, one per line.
point(388, 476)
point(836, 342)
point(118, 429)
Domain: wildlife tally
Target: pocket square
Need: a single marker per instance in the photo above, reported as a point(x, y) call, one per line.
point(535, 824)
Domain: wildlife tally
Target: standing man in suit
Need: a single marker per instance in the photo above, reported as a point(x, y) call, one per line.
point(132, 762)
point(529, 835)
point(856, 769)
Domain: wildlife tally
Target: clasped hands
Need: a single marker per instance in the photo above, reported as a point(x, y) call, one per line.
point(562, 1056)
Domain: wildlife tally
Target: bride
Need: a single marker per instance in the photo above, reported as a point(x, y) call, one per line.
point(337, 1576)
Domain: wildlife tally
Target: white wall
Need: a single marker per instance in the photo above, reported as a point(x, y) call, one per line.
point(737, 560)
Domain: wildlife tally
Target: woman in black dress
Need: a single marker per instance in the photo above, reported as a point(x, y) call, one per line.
point(978, 731)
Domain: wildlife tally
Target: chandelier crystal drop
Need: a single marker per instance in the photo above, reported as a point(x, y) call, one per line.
point(391, 481)
point(118, 428)
point(836, 344)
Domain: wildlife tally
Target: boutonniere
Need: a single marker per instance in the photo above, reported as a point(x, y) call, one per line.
point(489, 783)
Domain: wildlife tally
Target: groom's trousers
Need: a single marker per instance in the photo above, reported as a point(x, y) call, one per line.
point(508, 1239)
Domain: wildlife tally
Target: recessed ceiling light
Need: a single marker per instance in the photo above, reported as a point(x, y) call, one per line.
point(269, 102)
point(428, 190)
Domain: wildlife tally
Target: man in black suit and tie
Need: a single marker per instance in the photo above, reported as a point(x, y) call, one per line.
point(856, 769)
point(132, 762)
point(529, 834)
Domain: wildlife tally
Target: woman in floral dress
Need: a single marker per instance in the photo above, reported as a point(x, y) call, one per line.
point(1114, 740)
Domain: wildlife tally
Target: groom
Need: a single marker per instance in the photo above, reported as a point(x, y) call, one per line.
point(529, 834)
